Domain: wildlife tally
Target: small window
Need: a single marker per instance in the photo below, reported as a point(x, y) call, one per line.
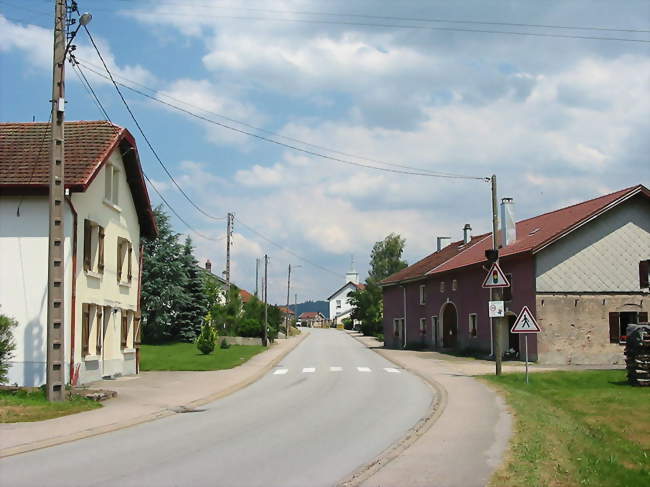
point(338, 303)
point(126, 327)
point(473, 325)
point(397, 325)
point(442, 286)
point(644, 274)
point(423, 296)
point(93, 247)
point(618, 322)
point(124, 260)
point(423, 326)
point(454, 285)
point(112, 184)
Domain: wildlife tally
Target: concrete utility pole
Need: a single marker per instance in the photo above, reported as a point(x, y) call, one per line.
point(288, 291)
point(496, 293)
point(257, 275)
point(56, 272)
point(266, 306)
point(228, 243)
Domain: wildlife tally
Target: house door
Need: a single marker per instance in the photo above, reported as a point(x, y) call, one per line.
point(449, 326)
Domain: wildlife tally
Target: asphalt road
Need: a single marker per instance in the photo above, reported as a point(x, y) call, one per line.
point(331, 406)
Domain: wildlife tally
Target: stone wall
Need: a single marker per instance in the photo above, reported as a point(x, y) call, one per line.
point(240, 340)
point(575, 327)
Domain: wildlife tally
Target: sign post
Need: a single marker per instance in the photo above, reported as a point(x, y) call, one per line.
point(525, 323)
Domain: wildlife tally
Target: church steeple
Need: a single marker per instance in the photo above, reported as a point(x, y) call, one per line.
point(352, 275)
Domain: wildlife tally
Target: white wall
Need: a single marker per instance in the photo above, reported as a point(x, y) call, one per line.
point(601, 256)
point(23, 283)
point(342, 295)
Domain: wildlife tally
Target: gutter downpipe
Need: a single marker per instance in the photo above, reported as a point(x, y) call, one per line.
point(136, 333)
point(73, 300)
point(404, 344)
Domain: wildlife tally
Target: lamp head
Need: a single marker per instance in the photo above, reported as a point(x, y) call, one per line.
point(85, 19)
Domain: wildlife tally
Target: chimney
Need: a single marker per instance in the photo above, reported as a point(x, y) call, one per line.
point(508, 225)
point(467, 233)
point(208, 265)
point(439, 243)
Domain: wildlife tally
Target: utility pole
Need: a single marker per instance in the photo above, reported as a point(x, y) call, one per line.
point(55, 271)
point(266, 305)
point(295, 306)
point(228, 243)
point(288, 291)
point(257, 276)
point(496, 293)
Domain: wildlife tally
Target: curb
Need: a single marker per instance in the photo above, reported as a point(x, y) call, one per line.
point(436, 409)
point(161, 413)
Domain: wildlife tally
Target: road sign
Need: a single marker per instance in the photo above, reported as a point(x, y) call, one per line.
point(496, 277)
point(496, 309)
point(525, 323)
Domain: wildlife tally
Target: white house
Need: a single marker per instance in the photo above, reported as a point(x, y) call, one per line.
point(107, 213)
point(340, 307)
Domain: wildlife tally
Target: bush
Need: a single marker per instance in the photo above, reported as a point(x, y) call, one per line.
point(250, 327)
point(379, 336)
point(347, 323)
point(224, 344)
point(206, 340)
point(7, 345)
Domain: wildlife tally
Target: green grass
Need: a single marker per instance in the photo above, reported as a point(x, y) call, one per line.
point(576, 428)
point(22, 406)
point(185, 356)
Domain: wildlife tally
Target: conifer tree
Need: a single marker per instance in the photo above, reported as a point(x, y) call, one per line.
point(195, 303)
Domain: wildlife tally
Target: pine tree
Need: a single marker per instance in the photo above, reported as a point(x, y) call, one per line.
point(163, 282)
point(195, 304)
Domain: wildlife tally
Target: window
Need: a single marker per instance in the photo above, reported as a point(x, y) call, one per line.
point(124, 261)
point(434, 329)
point(126, 327)
point(618, 322)
point(644, 274)
point(338, 303)
point(473, 325)
point(454, 285)
point(85, 329)
point(93, 247)
point(398, 324)
point(442, 286)
point(423, 295)
point(507, 291)
point(92, 320)
point(423, 326)
point(112, 184)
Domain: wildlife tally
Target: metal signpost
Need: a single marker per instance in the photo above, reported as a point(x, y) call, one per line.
point(525, 324)
point(495, 280)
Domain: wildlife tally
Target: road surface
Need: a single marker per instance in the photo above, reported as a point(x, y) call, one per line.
point(331, 406)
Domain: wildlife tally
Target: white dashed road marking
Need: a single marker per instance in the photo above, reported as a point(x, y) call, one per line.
point(364, 369)
point(280, 371)
point(308, 370)
point(391, 370)
point(336, 369)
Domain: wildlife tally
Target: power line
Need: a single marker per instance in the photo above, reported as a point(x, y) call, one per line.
point(290, 146)
point(143, 134)
point(286, 249)
point(38, 155)
point(402, 26)
point(268, 132)
point(86, 84)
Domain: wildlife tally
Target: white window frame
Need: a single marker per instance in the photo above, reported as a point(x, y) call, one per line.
point(442, 286)
point(338, 304)
point(469, 322)
point(112, 186)
point(423, 296)
point(454, 284)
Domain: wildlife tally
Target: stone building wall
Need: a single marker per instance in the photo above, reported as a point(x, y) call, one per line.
point(575, 327)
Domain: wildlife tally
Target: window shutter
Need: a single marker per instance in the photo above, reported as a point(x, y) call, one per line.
point(101, 250)
point(137, 320)
point(614, 328)
point(644, 268)
point(120, 260)
point(100, 327)
point(125, 327)
point(643, 316)
point(85, 328)
point(129, 271)
point(87, 243)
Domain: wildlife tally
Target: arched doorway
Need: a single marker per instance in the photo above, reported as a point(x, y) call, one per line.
point(449, 326)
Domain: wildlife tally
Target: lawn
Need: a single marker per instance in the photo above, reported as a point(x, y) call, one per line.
point(576, 428)
point(22, 406)
point(185, 356)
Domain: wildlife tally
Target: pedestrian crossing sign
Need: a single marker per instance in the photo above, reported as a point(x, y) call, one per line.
point(496, 277)
point(525, 323)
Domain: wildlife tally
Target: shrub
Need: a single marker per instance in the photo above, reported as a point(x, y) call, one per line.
point(206, 339)
point(224, 344)
point(347, 323)
point(250, 327)
point(7, 345)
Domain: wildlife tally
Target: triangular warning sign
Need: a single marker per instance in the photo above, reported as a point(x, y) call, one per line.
point(496, 277)
point(525, 323)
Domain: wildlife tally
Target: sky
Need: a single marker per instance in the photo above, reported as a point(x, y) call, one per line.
point(413, 86)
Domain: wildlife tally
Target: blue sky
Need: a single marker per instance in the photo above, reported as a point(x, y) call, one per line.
point(558, 120)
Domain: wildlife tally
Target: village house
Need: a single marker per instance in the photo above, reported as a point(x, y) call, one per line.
point(339, 301)
point(313, 319)
point(107, 214)
point(582, 270)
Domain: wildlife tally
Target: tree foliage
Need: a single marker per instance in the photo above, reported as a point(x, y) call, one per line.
point(206, 340)
point(367, 303)
point(194, 306)
point(7, 345)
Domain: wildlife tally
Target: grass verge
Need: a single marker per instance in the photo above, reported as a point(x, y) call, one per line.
point(24, 406)
point(576, 428)
point(185, 356)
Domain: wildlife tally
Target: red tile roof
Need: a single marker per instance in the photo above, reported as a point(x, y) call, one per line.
point(286, 310)
point(307, 315)
point(24, 160)
point(245, 296)
point(533, 235)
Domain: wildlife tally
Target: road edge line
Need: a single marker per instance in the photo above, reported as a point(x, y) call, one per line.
point(159, 414)
point(438, 406)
